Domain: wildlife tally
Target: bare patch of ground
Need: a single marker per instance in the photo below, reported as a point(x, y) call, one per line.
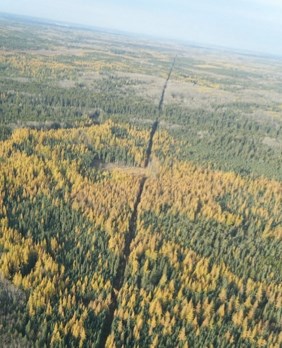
point(66, 84)
point(203, 134)
point(168, 125)
point(20, 79)
point(143, 120)
point(152, 170)
point(272, 142)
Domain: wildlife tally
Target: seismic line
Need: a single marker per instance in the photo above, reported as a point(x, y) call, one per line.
point(119, 278)
point(156, 123)
point(164, 88)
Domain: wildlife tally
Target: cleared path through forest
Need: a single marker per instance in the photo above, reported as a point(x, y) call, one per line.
point(119, 278)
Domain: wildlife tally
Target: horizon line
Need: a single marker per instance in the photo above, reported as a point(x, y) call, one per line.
point(153, 38)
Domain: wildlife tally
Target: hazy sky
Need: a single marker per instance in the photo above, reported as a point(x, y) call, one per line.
point(247, 24)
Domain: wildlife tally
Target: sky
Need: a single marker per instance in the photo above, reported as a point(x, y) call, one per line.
point(253, 25)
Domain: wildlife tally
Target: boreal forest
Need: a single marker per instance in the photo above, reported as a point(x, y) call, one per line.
point(140, 192)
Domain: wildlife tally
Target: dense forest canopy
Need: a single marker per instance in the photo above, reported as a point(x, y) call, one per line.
point(140, 200)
